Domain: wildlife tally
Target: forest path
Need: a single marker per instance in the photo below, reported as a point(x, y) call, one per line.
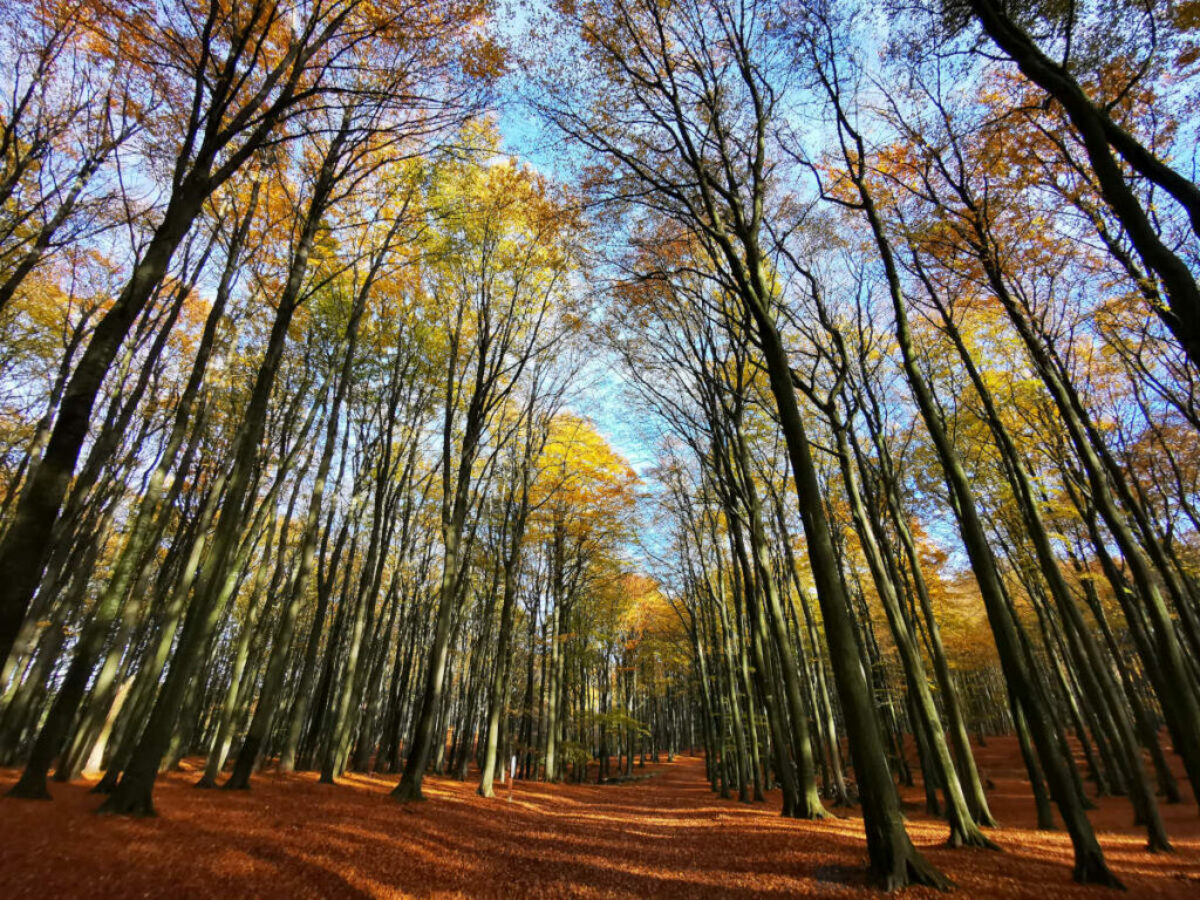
point(667, 835)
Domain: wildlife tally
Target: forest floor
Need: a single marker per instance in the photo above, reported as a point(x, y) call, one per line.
point(666, 835)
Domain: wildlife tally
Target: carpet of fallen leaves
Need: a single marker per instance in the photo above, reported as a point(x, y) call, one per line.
point(666, 835)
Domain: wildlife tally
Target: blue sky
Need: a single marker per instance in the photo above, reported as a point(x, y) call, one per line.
point(602, 397)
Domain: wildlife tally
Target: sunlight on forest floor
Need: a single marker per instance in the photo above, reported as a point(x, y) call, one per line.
point(669, 835)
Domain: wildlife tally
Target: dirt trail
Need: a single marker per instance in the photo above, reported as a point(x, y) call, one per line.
point(668, 835)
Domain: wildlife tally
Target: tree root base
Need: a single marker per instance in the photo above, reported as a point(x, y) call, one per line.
point(137, 807)
point(976, 840)
point(407, 793)
point(1092, 869)
point(29, 790)
point(916, 870)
